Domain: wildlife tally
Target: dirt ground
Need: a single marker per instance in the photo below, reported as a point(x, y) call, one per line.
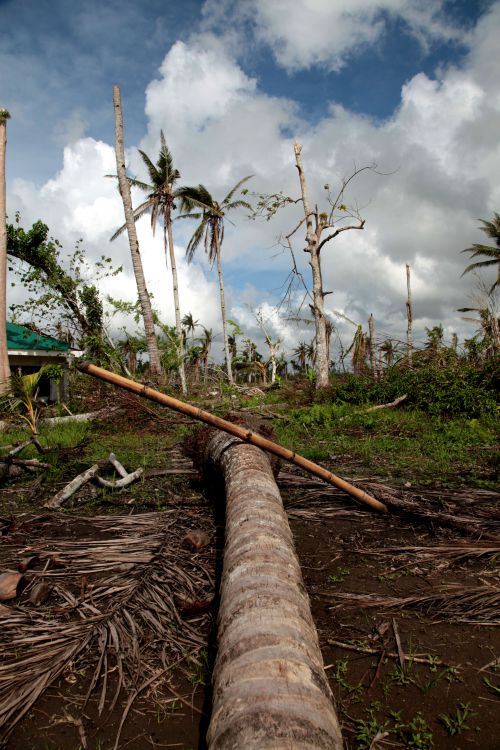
point(157, 692)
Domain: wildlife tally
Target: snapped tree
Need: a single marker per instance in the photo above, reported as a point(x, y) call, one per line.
point(124, 186)
point(321, 228)
point(4, 354)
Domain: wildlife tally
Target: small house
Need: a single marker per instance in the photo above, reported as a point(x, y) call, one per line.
point(29, 350)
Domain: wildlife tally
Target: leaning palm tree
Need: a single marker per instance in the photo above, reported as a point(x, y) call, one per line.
point(160, 203)
point(492, 230)
point(211, 229)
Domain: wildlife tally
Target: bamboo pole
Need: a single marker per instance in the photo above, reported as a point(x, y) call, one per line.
point(244, 434)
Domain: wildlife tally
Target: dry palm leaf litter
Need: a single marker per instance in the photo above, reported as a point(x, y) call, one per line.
point(115, 591)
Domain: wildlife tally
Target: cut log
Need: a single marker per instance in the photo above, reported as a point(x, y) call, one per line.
point(72, 487)
point(270, 689)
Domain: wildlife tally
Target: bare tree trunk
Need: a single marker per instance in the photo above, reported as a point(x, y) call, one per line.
point(224, 317)
point(373, 361)
point(175, 287)
point(4, 353)
point(409, 315)
point(147, 314)
point(322, 379)
point(270, 688)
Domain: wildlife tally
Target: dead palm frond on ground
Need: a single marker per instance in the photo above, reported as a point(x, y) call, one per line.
point(118, 584)
point(455, 602)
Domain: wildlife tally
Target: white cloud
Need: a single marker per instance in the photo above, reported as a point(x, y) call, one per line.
point(326, 33)
point(440, 148)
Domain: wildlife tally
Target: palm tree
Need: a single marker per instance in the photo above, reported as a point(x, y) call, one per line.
point(4, 354)
point(388, 350)
point(206, 343)
point(211, 229)
point(302, 353)
point(492, 230)
point(161, 203)
point(190, 325)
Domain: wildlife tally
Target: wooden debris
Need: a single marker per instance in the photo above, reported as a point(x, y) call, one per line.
point(120, 483)
point(390, 405)
point(388, 654)
point(397, 638)
point(70, 489)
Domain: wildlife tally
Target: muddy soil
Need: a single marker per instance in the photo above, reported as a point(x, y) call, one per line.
point(448, 700)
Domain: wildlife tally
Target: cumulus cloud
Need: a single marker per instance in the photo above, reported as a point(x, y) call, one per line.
point(325, 33)
point(440, 154)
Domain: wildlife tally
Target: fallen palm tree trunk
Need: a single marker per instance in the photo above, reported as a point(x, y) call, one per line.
point(270, 688)
point(246, 435)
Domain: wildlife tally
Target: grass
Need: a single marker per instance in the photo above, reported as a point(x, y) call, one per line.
point(456, 723)
point(393, 441)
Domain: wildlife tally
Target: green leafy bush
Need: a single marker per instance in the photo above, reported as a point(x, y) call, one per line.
point(445, 391)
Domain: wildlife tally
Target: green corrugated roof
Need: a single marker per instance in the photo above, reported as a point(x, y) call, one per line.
point(19, 337)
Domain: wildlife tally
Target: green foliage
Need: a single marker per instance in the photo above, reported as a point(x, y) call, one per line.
point(394, 439)
point(21, 396)
point(448, 391)
point(59, 286)
point(456, 723)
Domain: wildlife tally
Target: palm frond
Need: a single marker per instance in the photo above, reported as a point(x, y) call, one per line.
point(141, 578)
point(195, 241)
point(238, 204)
point(196, 195)
point(154, 175)
point(228, 197)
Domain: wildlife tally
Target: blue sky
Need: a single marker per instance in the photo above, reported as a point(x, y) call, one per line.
point(411, 86)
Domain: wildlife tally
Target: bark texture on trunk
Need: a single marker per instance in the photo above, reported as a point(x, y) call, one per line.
point(409, 316)
point(4, 354)
point(147, 314)
point(223, 314)
point(313, 237)
point(373, 362)
point(175, 290)
point(270, 688)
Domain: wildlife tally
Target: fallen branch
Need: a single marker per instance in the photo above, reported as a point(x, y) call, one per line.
point(72, 487)
point(24, 462)
point(122, 471)
point(245, 435)
point(120, 483)
point(389, 405)
point(88, 417)
point(388, 654)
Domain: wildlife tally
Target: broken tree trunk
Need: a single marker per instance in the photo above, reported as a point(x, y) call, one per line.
point(269, 685)
point(244, 434)
point(72, 487)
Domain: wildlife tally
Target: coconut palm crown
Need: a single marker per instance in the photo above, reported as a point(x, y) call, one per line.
point(211, 226)
point(211, 229)
point(161, 193)
point(492, 230)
